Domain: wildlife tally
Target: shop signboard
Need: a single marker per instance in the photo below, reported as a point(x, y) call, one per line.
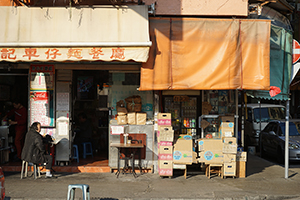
point(42, 94)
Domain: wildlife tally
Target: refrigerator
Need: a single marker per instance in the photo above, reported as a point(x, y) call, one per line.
point(184, 112)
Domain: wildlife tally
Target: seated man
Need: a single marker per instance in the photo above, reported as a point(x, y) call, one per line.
point(34, 149)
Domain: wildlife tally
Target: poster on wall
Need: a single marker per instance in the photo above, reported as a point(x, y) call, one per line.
point(42, 94)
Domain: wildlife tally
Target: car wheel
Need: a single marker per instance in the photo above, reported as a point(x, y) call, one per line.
point(280, 156)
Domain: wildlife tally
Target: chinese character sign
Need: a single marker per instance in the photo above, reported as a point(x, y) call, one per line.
point(138, 54)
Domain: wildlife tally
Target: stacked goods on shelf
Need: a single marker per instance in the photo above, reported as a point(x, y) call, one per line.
point(224, 151)
point(132, 114)
point(165, 136)
point(230, 150)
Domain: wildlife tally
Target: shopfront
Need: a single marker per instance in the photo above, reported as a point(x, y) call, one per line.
point(75, 63)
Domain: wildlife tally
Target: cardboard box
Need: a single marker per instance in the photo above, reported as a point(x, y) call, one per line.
point(183, 151)
point(165, 150)
point(165, 143)
point(131, 118)
point(165, 172)
point(226, 126)
point(228, 158)
point(209, 157)
point(184, 137)
point(165, 133)
point(210, 144)
point(229, 169)
point(165, 167)
point(165, 156)
point(226, 131)
point(229, 140)
point(141, 118)
point(226, 119)
point(164, 119)
point(122, 119)
point(241, 156)
point(121, 110)
point(230, 148)
point(165, 164)
point(182, 157)
point(241, 169)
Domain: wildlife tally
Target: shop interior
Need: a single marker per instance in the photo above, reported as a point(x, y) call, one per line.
point(13, 85)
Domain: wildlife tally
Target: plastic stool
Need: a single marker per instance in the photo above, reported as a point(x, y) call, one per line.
point(75, 153)
point(85, 191)
point(36, 169)
point(87, 146)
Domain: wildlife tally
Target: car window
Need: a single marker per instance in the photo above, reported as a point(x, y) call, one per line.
point(268, 114)
point(294, 129)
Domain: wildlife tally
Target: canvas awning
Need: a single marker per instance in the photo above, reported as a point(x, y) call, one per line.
point(207, 54)
point(70, 34)
point(280, 64)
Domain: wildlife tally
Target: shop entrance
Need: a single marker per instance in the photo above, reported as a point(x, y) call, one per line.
point(90, 111)
point(13, 87)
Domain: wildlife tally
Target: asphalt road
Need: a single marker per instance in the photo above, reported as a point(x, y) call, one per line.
point(265, 180)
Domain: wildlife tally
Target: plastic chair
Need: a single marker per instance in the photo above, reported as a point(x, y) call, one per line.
point(36, 169)
point(75, 153)
point(85, 191)
point(87, 149)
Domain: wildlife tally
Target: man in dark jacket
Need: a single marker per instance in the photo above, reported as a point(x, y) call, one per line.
point(34, 149)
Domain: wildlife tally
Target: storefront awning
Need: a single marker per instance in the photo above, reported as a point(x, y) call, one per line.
point(207, 54)
point(69, 34)
point(280, 64)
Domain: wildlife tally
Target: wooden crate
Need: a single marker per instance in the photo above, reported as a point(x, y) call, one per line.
point(241, 169)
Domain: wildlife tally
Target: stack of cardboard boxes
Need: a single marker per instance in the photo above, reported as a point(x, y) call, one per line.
point(224, 151)
point(165, 135)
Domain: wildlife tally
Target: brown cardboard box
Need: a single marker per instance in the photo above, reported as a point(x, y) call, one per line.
point(210, 144)
point(165, 164)
point(229, 140)
point(165, 156)
point(183, 151)
point(121, 110)
point(230, 148)
point(141, 118)
point(165, 150)
point(211, 156)
point(122, 119)
point(164, 119)
point(240, 169)
point(165, 133)
point(229, 169)
point(137, 107)
point(226, 131)
point(226, 119)
point(229, 145)
point(131, 118)
point(241, 156)
point(228, 158)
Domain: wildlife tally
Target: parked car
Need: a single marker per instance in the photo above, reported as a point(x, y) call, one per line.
point(273, 140)
point(2, 188)
point(257, 116)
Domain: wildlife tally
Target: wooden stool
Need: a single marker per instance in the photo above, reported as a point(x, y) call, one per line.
point(214, 169)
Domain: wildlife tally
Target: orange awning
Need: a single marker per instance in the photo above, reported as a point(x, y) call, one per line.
point(207, 54)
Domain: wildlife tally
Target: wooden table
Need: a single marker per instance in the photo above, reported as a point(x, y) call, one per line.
point(134, 147)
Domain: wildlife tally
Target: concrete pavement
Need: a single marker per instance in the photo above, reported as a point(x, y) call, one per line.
point(265, 180)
